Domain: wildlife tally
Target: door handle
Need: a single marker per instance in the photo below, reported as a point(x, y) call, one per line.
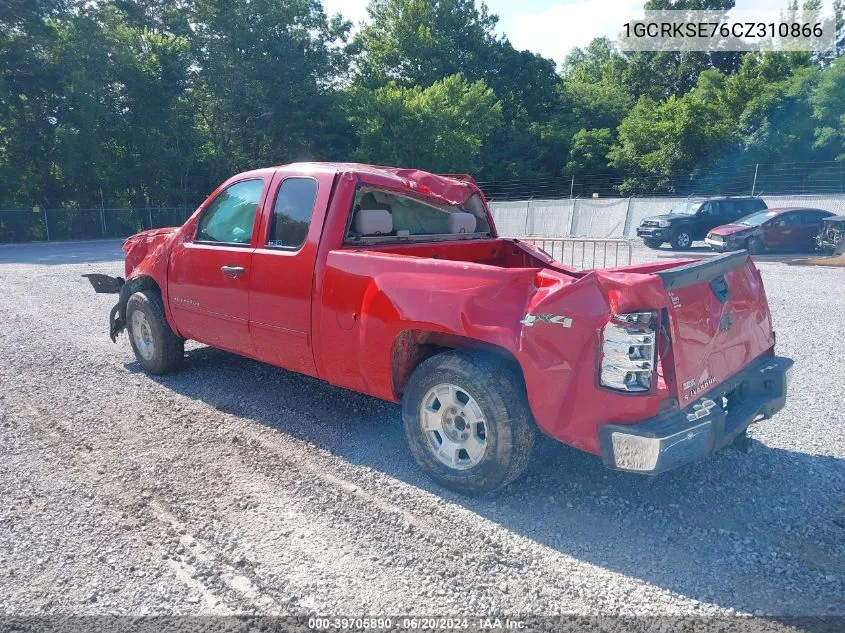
point(233, 271)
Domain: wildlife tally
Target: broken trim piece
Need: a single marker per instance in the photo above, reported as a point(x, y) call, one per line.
point(551, 319)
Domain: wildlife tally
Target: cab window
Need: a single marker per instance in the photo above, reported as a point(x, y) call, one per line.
point(384, 215)
point(292, 213)
point(230, 217)
point(787, 219)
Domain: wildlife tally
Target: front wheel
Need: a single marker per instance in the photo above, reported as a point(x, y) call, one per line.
point(681, 240)
point(467, 421)
point(156, 346)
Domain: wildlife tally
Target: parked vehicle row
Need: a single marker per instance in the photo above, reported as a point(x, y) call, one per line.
point(394, 282)
point(730, 224)
point(691, 220)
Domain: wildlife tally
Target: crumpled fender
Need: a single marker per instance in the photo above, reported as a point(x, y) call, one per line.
point(146, 258)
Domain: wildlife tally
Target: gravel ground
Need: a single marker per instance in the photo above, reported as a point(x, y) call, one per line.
point(235, 487)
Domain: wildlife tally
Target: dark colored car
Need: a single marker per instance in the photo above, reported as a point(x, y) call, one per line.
point(692, 220)
point(831, 237)
point(789, 229)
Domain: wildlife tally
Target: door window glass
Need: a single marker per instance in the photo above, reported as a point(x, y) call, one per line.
point(787, 219)
point(292, 212)
point(231, 215)
point(709, 209)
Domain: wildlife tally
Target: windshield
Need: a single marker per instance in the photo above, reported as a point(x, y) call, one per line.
point(686, 208)
point(379, 215)
point(756, 219)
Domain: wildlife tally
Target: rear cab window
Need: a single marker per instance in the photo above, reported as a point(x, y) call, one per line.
point(378, 215)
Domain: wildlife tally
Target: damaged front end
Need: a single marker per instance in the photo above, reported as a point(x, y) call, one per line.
point(105, 284)
point(145, 265)
point(831, 239)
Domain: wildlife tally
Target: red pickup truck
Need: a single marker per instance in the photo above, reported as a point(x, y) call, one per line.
point(393, 282)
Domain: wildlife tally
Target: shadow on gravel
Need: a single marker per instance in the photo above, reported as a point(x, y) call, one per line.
point(762, 531)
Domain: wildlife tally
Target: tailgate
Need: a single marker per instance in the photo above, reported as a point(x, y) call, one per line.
point(719, 321)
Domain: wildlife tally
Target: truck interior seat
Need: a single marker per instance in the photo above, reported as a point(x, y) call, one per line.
point(373, 222)
point(462, 223)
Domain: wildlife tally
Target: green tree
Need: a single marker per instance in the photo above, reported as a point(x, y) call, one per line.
point(829, 111)
point(418, 42)
point(441, 128)
point(666, 146)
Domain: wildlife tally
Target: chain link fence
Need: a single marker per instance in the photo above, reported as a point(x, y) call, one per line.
point(37, 224)
point(612, 217)
point(604, 217)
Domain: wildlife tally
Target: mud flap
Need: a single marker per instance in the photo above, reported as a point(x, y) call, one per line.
point(104, 284)
point(742, 443)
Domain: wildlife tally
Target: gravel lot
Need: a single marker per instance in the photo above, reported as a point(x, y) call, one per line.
point(236, 487)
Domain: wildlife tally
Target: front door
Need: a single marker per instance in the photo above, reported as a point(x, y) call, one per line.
point(706, 218)
point(209, 277)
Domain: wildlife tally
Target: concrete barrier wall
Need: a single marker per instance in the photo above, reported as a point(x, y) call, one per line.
point(612, 217)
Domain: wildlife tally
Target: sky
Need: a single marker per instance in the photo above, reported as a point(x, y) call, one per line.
point(554, 27)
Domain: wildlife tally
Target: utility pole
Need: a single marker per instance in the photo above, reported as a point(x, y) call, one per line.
point(754, 184)
point(572, 186)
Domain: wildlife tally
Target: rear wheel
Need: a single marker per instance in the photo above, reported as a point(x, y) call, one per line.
point(467, 421)
point(681, 240)
point(652, 243)
point(754, 245)
point(156, 346)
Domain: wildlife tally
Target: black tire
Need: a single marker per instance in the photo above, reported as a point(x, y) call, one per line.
point(166, 349)
point(653, 243)
point(498, 389)
point(754, 245)
point(681, 240)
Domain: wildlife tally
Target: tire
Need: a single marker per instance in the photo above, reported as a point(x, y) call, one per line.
point(488, 394)
point(158, 349)
point(655, 244)
point(754, 246)
point(681, 240)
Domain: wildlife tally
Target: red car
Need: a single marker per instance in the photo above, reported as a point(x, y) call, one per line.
point(776, 230)
point(393, 282)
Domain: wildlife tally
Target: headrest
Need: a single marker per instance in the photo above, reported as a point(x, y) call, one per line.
point(373, 222)
point(461, 223)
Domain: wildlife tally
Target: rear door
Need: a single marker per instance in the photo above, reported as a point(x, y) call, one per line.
point(719, 321)
point(208, 276)
point(782, 232)
point(811, 224)
point(283, 264)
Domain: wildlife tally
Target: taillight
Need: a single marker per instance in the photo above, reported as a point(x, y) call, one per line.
point(627, 351)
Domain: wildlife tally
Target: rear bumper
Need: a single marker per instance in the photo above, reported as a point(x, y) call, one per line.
point(704, 427)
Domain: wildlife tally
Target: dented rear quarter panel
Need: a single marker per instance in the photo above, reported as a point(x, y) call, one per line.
point(371, 300)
